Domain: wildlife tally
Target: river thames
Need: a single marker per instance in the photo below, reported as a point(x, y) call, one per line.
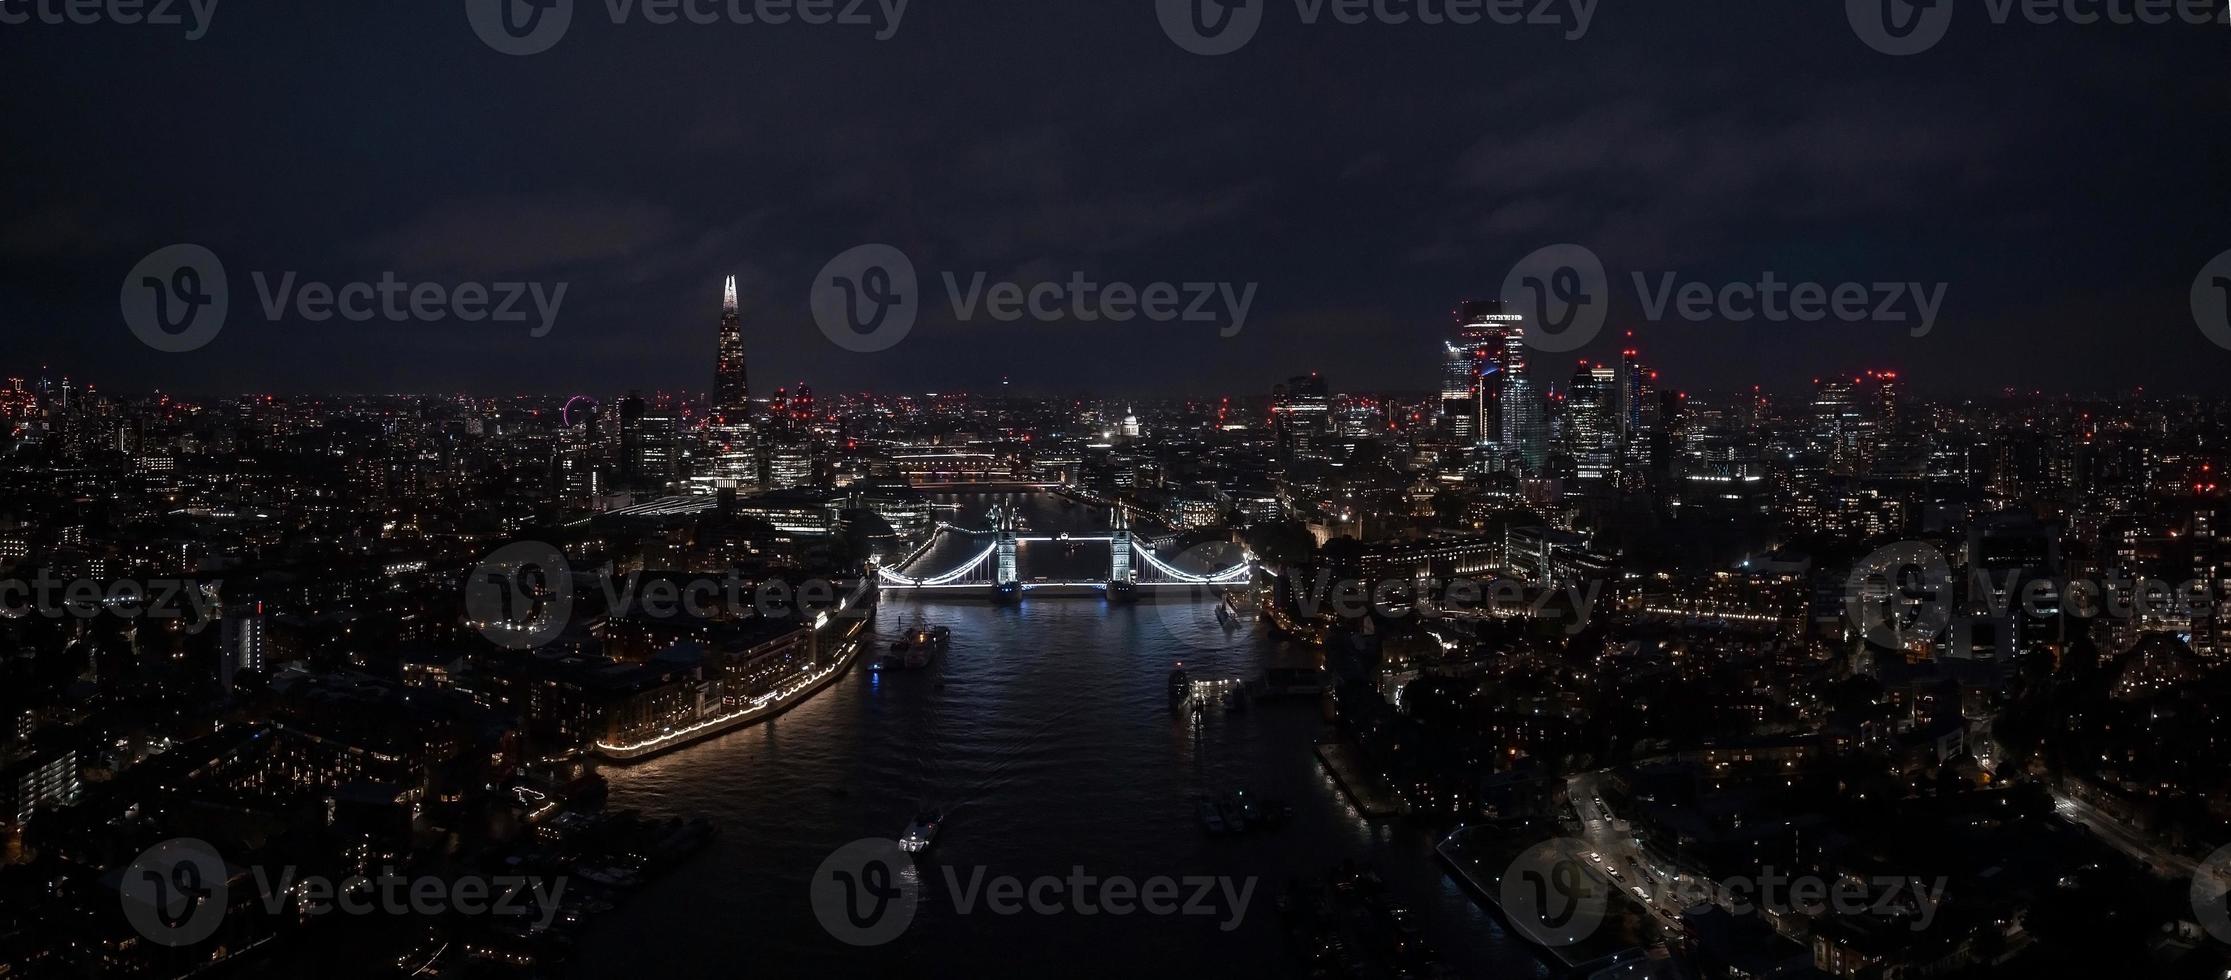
point(1046, 737)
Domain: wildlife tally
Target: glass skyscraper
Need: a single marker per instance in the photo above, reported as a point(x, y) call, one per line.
point(731, 392)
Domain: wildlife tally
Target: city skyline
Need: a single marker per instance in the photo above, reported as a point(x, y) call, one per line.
point(1303, 489)
point(1860, 604)
point(1493, 348)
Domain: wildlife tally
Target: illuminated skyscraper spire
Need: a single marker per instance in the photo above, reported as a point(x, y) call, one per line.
point(731, 393)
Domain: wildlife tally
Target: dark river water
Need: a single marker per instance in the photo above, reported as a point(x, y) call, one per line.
point(1050, 746)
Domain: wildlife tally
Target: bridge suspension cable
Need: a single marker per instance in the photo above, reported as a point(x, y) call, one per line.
point(1235, 574)
point(946, 578)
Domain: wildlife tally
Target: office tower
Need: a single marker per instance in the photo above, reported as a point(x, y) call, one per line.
point(2211, 567)
point(626, 414)
point(1524, 427)
point(650, 443)
point(1637, 405)
point(791, 464)
point(659, 448)
point(2013, 562)
point(1591, 429)
point(1472, 370)
point(1838, 425)
point(1459, 383)
point(1888, 393)
point(1301, 416)
point(1895, 444)
point(241, 638)
point(731, 438)
point(1668, 438)
point(731, 392)
point(628, 426)
point(732, 460)
point(574, 480)
point(1629, 387)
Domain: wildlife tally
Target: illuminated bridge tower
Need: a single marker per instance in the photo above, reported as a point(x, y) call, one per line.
point(1122, 578)
point(1008, 583)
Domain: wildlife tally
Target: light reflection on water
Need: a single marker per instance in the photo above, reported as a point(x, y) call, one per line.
point(1046, 737)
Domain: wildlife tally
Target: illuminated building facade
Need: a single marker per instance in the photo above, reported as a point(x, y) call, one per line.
point(1591, 422)
point(731, 391)
point(38, 780)
point(1475, 368)
point(650, 443)
point(1301, 416)
point(1525, 420)
point(731, 443)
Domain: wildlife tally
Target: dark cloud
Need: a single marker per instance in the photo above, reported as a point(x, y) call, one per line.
point(525, 234)
point(1365, 177)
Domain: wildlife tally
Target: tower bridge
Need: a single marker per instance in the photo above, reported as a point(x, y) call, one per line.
point(996, 568)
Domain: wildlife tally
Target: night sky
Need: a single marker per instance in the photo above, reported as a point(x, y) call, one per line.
point(2066, 183)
